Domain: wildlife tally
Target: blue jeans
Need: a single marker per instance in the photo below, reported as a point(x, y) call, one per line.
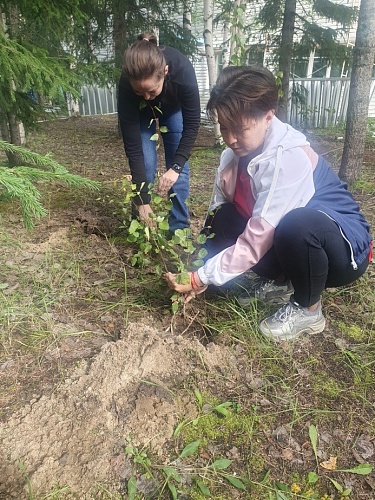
point(179, 215)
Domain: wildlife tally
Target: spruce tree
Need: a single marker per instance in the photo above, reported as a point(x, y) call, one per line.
point(293, 33)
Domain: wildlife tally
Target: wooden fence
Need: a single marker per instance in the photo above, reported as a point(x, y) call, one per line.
point(316, 102)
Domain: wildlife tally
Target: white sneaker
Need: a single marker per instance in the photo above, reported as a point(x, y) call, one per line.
point(291, 320)
point(268, 291)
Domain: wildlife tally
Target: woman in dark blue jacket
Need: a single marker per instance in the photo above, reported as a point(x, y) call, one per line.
point(159, 84)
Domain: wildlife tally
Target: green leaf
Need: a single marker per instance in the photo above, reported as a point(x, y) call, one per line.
point(154, 137)
point(281, 496)
point(202, 253)
point(173, 490)
point(336, 485)
point(179, 427)
point(132, 488)
point(171, 472)
point(163, 129)
point(313, 434)
point(198, 263)
point(190, 449)
point(129, 450)
point(157, 200)
point(164, 225)
point(221, 463)
point(362, 469)
point(198, 396)
point(237, 483)
point(142, 104)
point(134, 225)
point(203, 488)
point(222, 408)
point(183, 278)
point(174, 307)
point(282, 486)
point(312, 477)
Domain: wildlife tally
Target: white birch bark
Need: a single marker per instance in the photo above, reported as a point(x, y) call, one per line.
point(226, 41)
point(236, 30)
point(210, 53)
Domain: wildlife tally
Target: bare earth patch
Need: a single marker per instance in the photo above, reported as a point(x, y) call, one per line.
point(75, 435)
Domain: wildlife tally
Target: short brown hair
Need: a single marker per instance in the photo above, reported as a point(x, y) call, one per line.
point(144, 59)
point(243, 91)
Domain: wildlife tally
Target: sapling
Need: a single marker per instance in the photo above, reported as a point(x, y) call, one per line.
point(156, 244)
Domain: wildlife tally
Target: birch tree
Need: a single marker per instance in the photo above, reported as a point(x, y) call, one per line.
point(237, 41)
point(210, 53)
point(360, 83)
point(186, 20)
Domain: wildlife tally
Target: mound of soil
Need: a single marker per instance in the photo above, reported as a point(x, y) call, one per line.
point(77, 436)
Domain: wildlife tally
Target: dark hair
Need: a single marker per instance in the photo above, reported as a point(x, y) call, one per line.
point(144, 59)
point(248, 91)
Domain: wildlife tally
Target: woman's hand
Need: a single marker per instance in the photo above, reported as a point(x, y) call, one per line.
point(166, 181)
point(145, 212)
point(189, 290)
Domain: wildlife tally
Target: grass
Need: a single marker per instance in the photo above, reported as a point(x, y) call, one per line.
point(261, 420)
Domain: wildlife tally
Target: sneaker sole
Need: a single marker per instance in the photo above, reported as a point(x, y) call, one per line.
point(313, 329)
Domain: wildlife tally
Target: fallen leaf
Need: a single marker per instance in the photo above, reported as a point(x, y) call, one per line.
point(329, 464)
point(287, 454)
point(203, 454)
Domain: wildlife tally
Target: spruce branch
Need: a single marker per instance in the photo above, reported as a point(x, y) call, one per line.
point(18, 182)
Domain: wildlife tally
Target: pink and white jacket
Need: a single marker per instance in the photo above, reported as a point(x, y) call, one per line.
point(281, 179)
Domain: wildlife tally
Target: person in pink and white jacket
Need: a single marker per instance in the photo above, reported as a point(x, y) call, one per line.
point(277, 209)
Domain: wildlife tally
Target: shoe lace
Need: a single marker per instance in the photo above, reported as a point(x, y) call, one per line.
point(286, 312)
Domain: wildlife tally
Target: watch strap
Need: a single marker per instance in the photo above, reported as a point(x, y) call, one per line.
point(177, 168)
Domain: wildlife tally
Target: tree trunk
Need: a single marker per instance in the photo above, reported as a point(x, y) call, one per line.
point(225, 47)
point(119, 38)
point(210, 54)
point(286, 49)
point(119, 31)
point(187, 20)
point(12, 129)
point(360, 84)
point(237, 44)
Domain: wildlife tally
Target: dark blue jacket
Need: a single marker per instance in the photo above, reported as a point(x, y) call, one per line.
point(333, 198)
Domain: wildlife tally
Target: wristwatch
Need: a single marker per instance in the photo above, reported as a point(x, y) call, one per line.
point(177, 168)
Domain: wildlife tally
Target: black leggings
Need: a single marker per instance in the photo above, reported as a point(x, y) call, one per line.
point(308, 249)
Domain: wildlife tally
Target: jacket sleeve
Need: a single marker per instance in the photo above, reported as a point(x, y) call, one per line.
point(249, 248)
point(128, 113)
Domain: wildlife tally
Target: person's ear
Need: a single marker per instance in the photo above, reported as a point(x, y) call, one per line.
point(166, 70)
point(270, 114)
